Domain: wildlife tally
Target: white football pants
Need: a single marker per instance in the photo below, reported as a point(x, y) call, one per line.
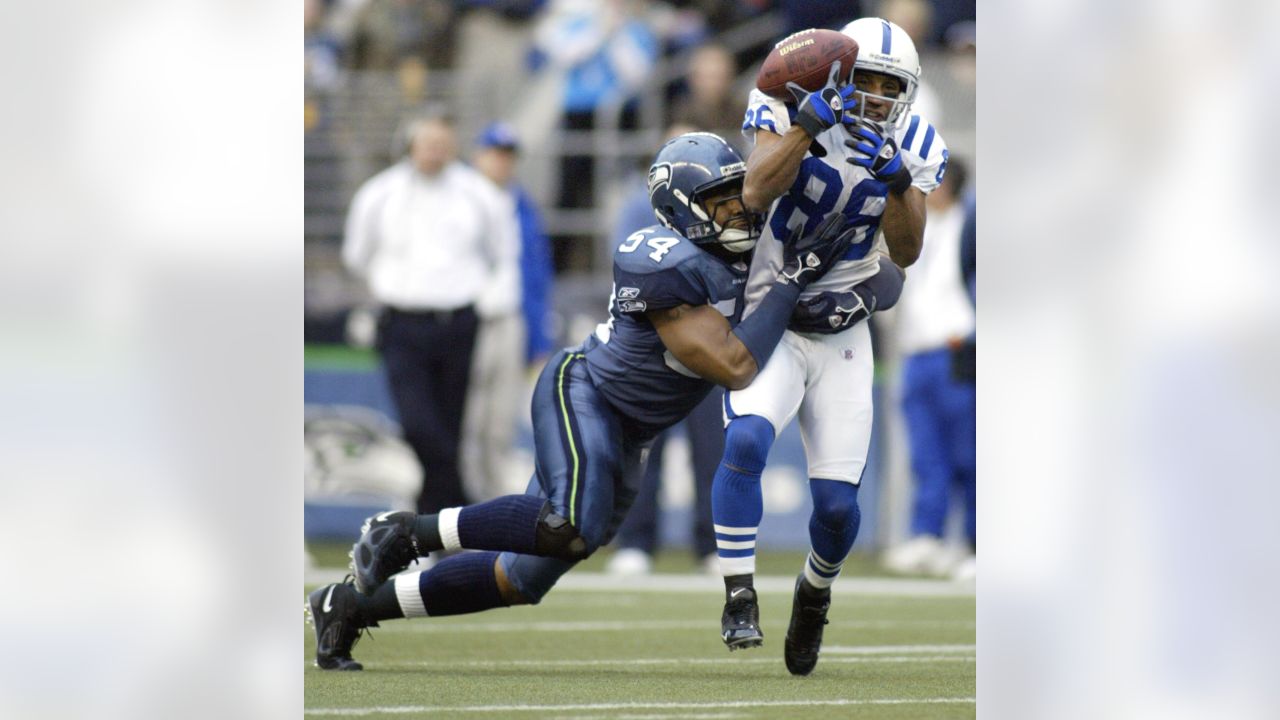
point(826, 380)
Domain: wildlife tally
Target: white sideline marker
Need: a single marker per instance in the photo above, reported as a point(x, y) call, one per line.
point(421, 709)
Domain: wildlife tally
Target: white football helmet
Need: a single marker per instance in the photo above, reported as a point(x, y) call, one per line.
point(883, 47)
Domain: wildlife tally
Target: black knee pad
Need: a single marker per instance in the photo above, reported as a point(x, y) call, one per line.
point(558, 539)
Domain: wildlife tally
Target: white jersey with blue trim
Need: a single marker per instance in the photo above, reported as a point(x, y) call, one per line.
point(825, 183)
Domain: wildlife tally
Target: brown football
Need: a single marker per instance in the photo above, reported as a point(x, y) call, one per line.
point(805, 58)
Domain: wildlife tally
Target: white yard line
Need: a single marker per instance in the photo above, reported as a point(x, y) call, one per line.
point(749, 704)
point(651, 716)
point(671, 583)
point(652, 662)
point(418, 626)
point(895, 649)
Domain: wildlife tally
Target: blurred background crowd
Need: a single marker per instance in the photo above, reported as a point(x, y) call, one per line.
point(561, 104)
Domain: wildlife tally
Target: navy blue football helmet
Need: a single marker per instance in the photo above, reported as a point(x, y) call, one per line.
point(686, 170)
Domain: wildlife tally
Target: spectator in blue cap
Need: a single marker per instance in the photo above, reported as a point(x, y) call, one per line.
point(506, 345)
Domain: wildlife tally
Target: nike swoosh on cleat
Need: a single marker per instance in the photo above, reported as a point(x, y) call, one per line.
point(382, 517)
point(328, 596)
point(736, 591)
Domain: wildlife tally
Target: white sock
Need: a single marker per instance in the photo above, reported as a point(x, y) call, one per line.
point(820, 573)
point(409, 595)
point(448, 526)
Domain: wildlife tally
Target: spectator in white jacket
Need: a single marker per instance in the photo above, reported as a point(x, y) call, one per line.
point(438, 246)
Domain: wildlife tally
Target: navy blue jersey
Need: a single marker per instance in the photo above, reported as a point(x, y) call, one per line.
point(653, 269)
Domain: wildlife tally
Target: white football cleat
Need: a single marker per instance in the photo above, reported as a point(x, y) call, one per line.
point(917, 556)
point(966, 571)
point(629, 562)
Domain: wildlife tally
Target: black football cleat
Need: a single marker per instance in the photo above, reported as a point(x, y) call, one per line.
point(740, 623)
point(804, 634)
point(386, 546)
point(333, 611)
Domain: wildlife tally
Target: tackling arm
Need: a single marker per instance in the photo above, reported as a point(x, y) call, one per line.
point(701, 339)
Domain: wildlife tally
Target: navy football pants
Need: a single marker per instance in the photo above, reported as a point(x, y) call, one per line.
point(585, 465)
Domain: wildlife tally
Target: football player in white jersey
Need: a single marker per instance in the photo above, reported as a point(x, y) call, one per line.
point(852, 147)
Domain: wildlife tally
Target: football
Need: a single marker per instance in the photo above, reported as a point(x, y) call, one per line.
point(805, 58)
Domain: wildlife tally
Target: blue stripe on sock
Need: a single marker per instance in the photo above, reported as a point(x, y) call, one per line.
point(735, 538)
point(736, 553)
point(822, 564)
point(824, 573)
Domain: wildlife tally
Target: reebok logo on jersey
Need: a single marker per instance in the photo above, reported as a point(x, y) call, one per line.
point(847, 353)
point(633, 305)
point(627, 293)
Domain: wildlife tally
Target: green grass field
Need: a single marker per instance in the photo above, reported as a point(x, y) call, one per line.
point(651, 649)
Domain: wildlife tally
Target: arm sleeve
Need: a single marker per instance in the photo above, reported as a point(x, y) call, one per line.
point(764, 113)
point(924, 152)
point(502, 244)
point(760, 332)
point(361, 231)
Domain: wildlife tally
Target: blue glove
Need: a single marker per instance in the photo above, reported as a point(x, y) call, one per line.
point(833, 312)
point(824, 108)
point(878, 153)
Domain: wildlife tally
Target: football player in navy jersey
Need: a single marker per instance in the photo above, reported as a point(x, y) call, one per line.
point(674, 329)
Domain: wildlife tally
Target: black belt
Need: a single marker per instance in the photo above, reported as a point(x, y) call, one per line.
point(432, 315)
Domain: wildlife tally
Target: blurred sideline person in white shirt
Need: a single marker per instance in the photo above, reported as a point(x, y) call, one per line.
point(437, 244)
point(934, 316)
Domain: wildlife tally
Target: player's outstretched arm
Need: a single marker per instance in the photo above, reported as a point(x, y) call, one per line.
point(700, 337)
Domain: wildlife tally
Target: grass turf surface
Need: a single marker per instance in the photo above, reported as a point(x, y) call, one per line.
point(633, 653)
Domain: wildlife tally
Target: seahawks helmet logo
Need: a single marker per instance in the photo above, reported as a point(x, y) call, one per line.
point(659, 177)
